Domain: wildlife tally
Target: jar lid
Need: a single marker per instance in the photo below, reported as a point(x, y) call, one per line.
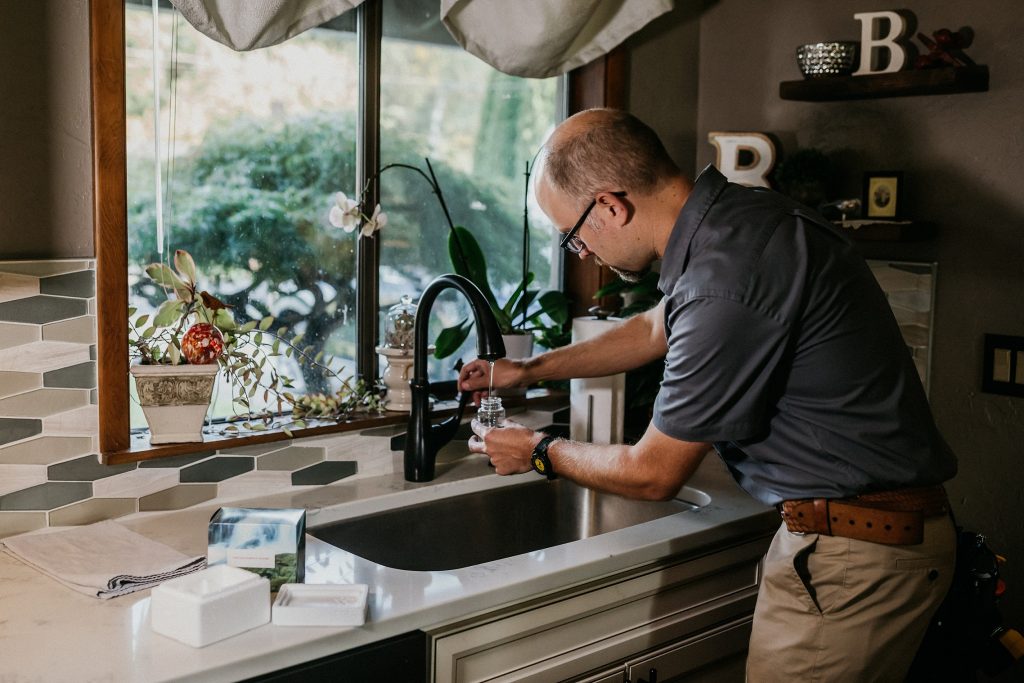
point(399, 324)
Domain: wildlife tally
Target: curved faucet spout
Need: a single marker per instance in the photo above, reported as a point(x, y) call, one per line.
point(424, 439)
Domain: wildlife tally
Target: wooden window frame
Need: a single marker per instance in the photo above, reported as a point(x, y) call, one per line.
point(600, 83)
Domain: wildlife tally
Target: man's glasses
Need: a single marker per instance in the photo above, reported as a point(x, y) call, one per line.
point(570, 242)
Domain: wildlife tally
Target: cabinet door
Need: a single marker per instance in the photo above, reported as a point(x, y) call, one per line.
point(570, 635)
point(715, 656)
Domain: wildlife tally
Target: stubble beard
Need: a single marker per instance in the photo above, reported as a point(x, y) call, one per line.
point(630, 276)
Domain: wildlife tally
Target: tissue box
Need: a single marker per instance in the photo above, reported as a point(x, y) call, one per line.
point(210, 605)
point(268, 541)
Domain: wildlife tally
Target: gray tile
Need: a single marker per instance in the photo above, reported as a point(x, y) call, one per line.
point(88, 468)
point(42, 309)
point(94, 397)
point(291, 458)
point(178, 497)
point(81, 285)
point(16, 429)
point(81, 376)
point(324, 472)
point(177, 460)
point(92, 352)
point(216, 469)
point(47, 496)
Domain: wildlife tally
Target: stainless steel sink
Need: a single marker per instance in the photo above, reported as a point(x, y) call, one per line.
point(464, 530)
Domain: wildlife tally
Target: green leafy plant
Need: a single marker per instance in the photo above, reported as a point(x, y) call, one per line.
point(244, 352)
point(526, 310)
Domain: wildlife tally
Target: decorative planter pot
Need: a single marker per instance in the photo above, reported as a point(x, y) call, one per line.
point(517, 346)
point(175, 399)
point(396, 378)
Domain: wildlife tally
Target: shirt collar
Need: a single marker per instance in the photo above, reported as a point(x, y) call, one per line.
point(706, 188)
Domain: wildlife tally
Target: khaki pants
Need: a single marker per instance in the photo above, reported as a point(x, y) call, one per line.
point(833, 609)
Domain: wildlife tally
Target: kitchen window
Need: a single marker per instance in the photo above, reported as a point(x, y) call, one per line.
point(238, 158)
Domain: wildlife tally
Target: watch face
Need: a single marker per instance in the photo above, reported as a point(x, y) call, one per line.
point(538, 465)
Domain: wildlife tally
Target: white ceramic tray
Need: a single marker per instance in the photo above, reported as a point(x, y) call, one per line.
point(301, 604)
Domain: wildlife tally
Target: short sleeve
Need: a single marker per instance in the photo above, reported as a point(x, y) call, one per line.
point(718, 383)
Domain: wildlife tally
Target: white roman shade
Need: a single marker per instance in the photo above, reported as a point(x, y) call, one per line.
point(532, 38)
point(250, 24)
point(541, 38)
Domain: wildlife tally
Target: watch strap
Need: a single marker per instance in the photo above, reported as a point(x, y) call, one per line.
point(540, 461)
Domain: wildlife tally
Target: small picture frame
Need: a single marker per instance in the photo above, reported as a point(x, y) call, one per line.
point(882, 190)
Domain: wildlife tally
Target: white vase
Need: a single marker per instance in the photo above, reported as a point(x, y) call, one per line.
point(175, 399)
point(396, 378)
point(519, 345)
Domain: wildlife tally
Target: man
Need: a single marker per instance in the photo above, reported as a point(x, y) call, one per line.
point(782, 353)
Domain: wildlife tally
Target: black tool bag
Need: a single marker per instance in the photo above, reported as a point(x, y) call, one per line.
point(967, 633)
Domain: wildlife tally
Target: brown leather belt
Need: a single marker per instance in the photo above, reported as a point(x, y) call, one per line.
point(890, 517)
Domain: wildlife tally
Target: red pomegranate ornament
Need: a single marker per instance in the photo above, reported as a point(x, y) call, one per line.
point(202, 344)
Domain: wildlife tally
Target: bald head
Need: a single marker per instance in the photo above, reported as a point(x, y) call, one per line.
point(605, 150)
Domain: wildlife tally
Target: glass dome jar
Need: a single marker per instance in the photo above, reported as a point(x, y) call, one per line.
point(399, 323)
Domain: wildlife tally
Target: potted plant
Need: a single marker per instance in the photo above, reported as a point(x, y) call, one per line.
point(525, 312)
point(179, 350)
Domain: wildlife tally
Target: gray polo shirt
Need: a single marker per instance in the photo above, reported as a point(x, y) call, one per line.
point(784, 353)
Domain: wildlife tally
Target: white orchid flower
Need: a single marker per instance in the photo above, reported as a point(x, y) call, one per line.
point(345, 213)
point(377, 221)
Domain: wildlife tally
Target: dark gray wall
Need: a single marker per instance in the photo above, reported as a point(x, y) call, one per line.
point(962, 158)
point(662, 83)
point(45, 148)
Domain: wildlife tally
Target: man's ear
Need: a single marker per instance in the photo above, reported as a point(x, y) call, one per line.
point(613, 209)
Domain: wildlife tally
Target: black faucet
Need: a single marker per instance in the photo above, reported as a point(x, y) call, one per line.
point(423, 440)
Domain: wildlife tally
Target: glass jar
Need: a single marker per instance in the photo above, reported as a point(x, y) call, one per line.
point(491, 413)
point(399, 324)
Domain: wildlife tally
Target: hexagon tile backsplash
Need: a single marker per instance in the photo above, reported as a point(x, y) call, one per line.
point(49, 471)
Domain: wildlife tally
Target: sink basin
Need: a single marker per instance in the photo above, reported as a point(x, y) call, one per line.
point(468, 529)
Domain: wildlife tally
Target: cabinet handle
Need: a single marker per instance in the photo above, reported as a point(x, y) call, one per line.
point(652, 677)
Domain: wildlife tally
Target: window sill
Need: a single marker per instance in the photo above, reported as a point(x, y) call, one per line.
point(141, 449)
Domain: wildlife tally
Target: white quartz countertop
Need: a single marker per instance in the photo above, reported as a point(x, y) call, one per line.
point(51, 633)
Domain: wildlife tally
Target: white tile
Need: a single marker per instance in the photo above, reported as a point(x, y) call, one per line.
point(79, 422)
point(135, 484)
point(43, 356)
point(43, 402)
point(17, 286)
point(255, 483)
point(18, 477)
point(12, 383)
point(45, 268)
point(17, 334)
point(81, 330)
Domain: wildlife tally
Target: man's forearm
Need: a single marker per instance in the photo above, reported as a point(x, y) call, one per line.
point(632, 343)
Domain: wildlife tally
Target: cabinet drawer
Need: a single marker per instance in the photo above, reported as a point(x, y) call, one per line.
point(725, 645)
point(573, 634)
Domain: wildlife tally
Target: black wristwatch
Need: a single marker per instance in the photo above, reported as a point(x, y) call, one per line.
point(540, 461)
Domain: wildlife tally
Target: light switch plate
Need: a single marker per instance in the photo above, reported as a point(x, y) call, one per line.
point(1002, 369)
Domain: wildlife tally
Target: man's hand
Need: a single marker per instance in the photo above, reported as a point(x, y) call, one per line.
point(475, 376)
point(509, 447)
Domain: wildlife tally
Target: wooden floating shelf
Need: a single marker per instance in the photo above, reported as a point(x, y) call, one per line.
point(938, 81)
